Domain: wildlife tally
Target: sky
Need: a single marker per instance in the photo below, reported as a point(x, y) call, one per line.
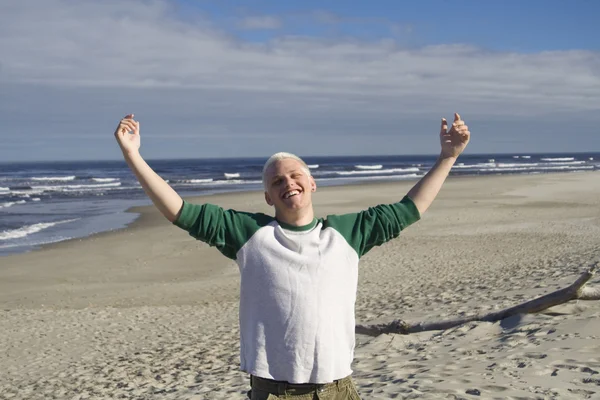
point(221, 78)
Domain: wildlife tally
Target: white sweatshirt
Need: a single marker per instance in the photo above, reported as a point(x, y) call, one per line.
point(298, 284)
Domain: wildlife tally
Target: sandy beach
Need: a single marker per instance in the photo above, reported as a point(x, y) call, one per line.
point(147, 312)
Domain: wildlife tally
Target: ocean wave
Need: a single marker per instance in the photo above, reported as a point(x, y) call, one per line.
point(517, 165)
point(54, 178)
point(28, 192)
point(558, 159)
point(105, 179)
point(194, 180)
point(30, 229)
point(43, 189)
point(509, 165)
point(313, 166)
point(565, 163)
point(381, 171)
point(231, 175)
point(541, 169)
point(108, 189)
point(378, 166)
point(470, 166)
point(4, 189)
point(235, 182)
point(211, 182)
point(12, 203)
point(62, 188)
point(35, 243)
point(372, 178)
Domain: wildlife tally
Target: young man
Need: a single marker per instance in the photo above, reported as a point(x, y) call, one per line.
point(299, 274)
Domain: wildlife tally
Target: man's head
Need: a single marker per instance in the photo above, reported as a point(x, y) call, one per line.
point(288, 186)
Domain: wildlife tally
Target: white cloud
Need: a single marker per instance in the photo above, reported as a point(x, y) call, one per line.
point(260, 22)
point(143, 44)
point(104, 52)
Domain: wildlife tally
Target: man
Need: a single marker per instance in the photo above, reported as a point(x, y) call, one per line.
point(299, 274)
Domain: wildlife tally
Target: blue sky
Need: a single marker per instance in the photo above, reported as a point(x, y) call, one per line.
point(235, 79)
point(527, 26)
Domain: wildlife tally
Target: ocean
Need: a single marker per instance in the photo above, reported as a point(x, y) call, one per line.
point(47, 202)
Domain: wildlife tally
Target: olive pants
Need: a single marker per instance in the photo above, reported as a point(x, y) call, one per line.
point(267, 389)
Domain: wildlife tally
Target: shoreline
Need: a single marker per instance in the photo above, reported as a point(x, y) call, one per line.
point(146, 213)
point(108, 246)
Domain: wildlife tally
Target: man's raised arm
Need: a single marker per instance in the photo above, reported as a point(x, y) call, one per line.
point(166, 199)
point(453, 143)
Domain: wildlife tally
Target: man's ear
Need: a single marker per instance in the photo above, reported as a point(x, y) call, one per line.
point(268, 199)
point(313, 184)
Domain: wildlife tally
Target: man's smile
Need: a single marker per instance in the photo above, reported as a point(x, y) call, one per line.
point(290, 193)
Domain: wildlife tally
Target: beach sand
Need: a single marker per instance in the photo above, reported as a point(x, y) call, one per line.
point(149, 313)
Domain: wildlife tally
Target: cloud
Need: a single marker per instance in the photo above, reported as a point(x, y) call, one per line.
point(260, 22)
point(402, 29)
point(144, 45)
point(66, 58)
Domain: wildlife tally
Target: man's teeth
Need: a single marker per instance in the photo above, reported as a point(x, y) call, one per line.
point(290, 194)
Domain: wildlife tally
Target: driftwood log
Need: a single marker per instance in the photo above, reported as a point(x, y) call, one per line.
point(575, 291)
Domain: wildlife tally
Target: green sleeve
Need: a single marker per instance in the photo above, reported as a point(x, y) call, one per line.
point(374, 226)
point(227, 230)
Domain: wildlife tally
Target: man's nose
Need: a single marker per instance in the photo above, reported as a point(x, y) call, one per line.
point(288, 181)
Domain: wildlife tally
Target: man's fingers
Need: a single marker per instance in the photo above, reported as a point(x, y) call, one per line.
point(127, 126)
point(444, 128)
point(128, 123)
point(460, 127)
point(456, 117)
point(128, 116)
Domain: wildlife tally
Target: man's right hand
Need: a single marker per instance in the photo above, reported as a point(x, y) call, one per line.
point(128, 135)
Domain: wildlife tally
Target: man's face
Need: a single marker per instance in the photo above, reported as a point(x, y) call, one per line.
point(289, 187)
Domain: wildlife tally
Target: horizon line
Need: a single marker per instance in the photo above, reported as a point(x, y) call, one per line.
point(302, 156)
